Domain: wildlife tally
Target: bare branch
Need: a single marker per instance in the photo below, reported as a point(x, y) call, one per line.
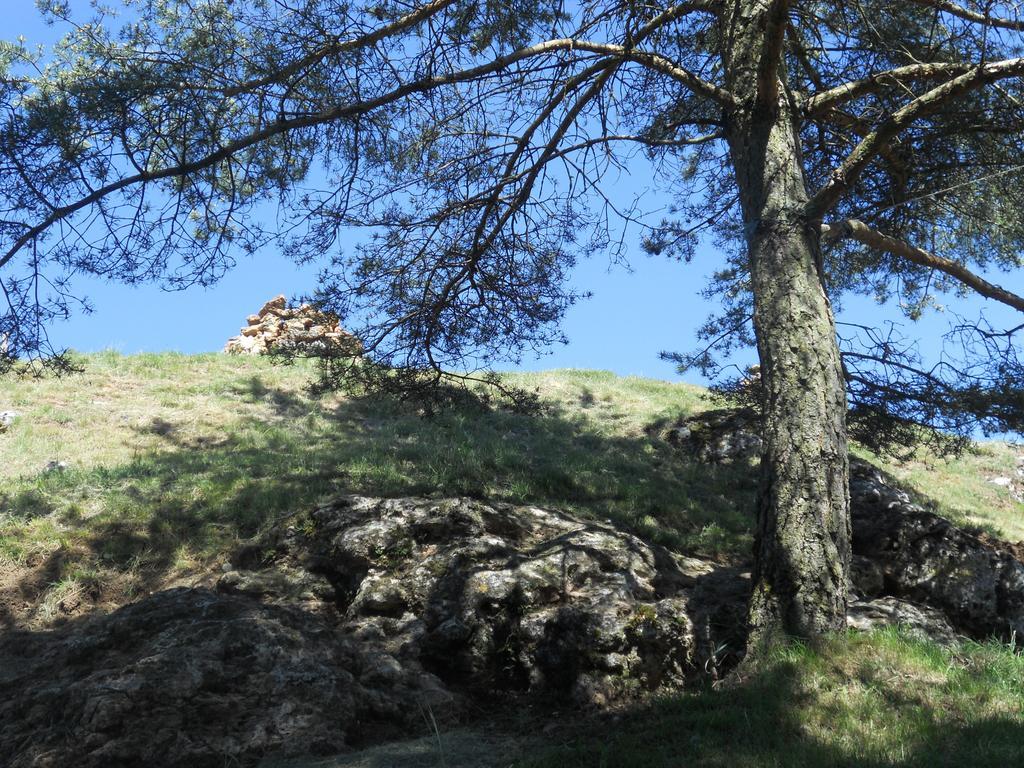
point(336, 47)
point(862, 233)
point(968, 15)
point(821, 102)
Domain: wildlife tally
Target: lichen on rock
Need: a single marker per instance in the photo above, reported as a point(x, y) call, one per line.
point(339, 624)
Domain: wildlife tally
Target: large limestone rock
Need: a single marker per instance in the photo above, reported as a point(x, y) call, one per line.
point(302, 329)
point(193, 678)
point(906, 552)
point(345, 624)
point(495, 597)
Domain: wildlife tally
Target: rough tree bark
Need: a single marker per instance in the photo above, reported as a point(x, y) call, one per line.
point(802, 547)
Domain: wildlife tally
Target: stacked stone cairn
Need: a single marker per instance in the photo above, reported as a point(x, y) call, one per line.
point(303, 329)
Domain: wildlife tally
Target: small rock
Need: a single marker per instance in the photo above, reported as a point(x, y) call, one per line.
point(7, 419)
point(718, 436)
point(919, 621)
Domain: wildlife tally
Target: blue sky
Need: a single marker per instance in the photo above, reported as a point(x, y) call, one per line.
point(632, 316)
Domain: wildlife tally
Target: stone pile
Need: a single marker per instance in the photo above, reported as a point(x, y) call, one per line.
point(303, 329)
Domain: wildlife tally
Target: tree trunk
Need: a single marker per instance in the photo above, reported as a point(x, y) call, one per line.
point(802, 546)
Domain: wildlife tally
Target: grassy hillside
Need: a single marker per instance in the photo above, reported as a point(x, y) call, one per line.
point(171, 460)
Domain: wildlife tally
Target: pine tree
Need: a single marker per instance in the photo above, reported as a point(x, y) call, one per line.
point(831, 147)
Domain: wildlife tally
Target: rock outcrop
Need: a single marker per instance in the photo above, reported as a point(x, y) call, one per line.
point(908, 553)
point(720, 436)
point(193, 678)
point(910, 567)
point(302, 329)
point(344, 624)
point(493, 596)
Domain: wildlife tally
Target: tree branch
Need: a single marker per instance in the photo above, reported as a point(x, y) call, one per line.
point(776, 20)
point(843, 177)
point(664, 65)
point(336, 47)
point(822, 102)
point(968, 15)
point(651, 60)
point(862, 233)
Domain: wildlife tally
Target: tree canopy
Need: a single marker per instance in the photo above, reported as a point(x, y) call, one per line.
point(471, 140)
point(874, 144)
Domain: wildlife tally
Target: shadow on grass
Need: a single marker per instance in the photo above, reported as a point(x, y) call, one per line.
point(862, 701)
point(195, 495)
point(776, 719)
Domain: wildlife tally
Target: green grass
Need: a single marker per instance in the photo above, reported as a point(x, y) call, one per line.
point(172, 460)
point(858, 700)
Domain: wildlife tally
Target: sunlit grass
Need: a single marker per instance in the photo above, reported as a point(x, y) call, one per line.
point(172, 459)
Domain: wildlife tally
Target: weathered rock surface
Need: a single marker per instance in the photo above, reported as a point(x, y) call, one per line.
point(343, 624)
point(196, 678)
point(302, 329)
point(919, 556)
point(494, 597)
point(718, 436)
